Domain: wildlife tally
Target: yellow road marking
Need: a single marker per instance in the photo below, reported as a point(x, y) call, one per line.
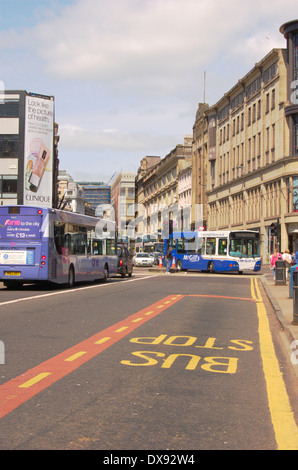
point(136, 320)
point(121, 329)
point(103, 340)
point(35, 379)
point(149, 313)
point(75, 356)
point(285, 428)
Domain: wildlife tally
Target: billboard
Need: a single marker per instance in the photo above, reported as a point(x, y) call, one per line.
point(39, 146)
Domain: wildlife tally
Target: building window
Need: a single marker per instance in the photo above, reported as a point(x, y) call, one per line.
point(249, 117)
point(253, 113)
point(267, 103)
point(295, 61)
point(270, 73)
point(273, 99)
point(296, 135)
point(9, 108)
point(259, 109)
point(9, 145)
point(8, 186)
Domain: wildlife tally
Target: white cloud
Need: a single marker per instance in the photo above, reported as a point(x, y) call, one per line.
point(149, 46)
point(79, 138)
point(127, 75)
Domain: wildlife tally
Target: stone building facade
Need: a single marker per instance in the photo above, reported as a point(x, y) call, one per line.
point(249, 153)
point(157, 190)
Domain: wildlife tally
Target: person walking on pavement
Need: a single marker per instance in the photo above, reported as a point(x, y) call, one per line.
point(288, 260)
point(276, 255)
point(296, 257)
point(169, 259)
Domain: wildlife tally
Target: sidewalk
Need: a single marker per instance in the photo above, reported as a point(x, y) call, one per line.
point(282, 303)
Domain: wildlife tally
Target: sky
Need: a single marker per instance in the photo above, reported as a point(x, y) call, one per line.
point(128, 75)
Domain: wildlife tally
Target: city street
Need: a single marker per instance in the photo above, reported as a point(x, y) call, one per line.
point(151, 362)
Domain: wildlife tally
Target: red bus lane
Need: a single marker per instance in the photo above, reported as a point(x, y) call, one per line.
point(20, 389)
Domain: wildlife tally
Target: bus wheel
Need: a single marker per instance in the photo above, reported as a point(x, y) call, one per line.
point(71, 277)
point(211, 268)
point(105, 273)
point(179, 265)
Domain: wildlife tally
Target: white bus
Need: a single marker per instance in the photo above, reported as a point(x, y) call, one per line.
point(40, 244)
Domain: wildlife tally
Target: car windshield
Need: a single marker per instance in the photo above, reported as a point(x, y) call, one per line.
point(143, 255)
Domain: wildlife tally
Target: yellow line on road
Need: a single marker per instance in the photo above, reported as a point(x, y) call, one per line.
point(121, 329)
point(35, 379)
point(103, 340)
point(75, 356)
point(285, 428)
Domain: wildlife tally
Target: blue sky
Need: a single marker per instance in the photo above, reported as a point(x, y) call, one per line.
point(127, 75)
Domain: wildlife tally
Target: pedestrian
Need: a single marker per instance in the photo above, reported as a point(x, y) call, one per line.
point(276, 255)
point(288, 261)
point(169, 259)
point(296, 257)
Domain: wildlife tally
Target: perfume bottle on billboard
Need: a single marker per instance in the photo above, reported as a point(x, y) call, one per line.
point(31, 159)
point(39, 168)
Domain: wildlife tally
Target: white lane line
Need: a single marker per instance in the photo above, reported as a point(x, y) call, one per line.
point(71, 291)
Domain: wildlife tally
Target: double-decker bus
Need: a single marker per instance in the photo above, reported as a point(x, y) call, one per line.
point(216, 251)
point(40, 244)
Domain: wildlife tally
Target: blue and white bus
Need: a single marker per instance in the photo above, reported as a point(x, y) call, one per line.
point(216, 251)
point(40, 244)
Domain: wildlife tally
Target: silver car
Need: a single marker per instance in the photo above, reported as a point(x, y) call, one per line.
point(143, 259)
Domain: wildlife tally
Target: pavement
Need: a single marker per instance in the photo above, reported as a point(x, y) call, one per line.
point(279, 297)
point(282, 303)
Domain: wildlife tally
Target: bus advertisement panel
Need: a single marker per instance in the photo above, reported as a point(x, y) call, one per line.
point(41, 244)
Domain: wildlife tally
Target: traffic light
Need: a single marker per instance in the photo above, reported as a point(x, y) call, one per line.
point(274, 229)
point(167, 228)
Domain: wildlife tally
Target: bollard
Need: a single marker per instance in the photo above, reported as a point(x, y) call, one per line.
point(280, 272)
point(295, 297)
point(291, 271)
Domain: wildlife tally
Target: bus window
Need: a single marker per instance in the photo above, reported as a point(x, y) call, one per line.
point(201, 248)
point(211, 246)
point(222, 246)
point(191, 245)
point(97, 247)
point(180, 245)
point(110, 247)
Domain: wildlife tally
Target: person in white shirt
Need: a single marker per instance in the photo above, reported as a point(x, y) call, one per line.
point(288, 260)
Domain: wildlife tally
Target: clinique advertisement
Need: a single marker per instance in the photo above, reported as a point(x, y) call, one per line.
point(39, 135)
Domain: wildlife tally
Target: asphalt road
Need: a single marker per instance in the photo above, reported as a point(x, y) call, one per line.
point(149, 362)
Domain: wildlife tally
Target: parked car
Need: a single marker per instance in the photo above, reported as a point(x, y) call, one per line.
point(142, 259)
point(125, 264)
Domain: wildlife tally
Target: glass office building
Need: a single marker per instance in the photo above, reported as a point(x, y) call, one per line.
point(96, 193)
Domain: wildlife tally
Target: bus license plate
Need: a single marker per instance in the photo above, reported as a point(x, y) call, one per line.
point(12, 273)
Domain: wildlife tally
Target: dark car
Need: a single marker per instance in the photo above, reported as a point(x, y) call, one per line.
point(125, 265)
